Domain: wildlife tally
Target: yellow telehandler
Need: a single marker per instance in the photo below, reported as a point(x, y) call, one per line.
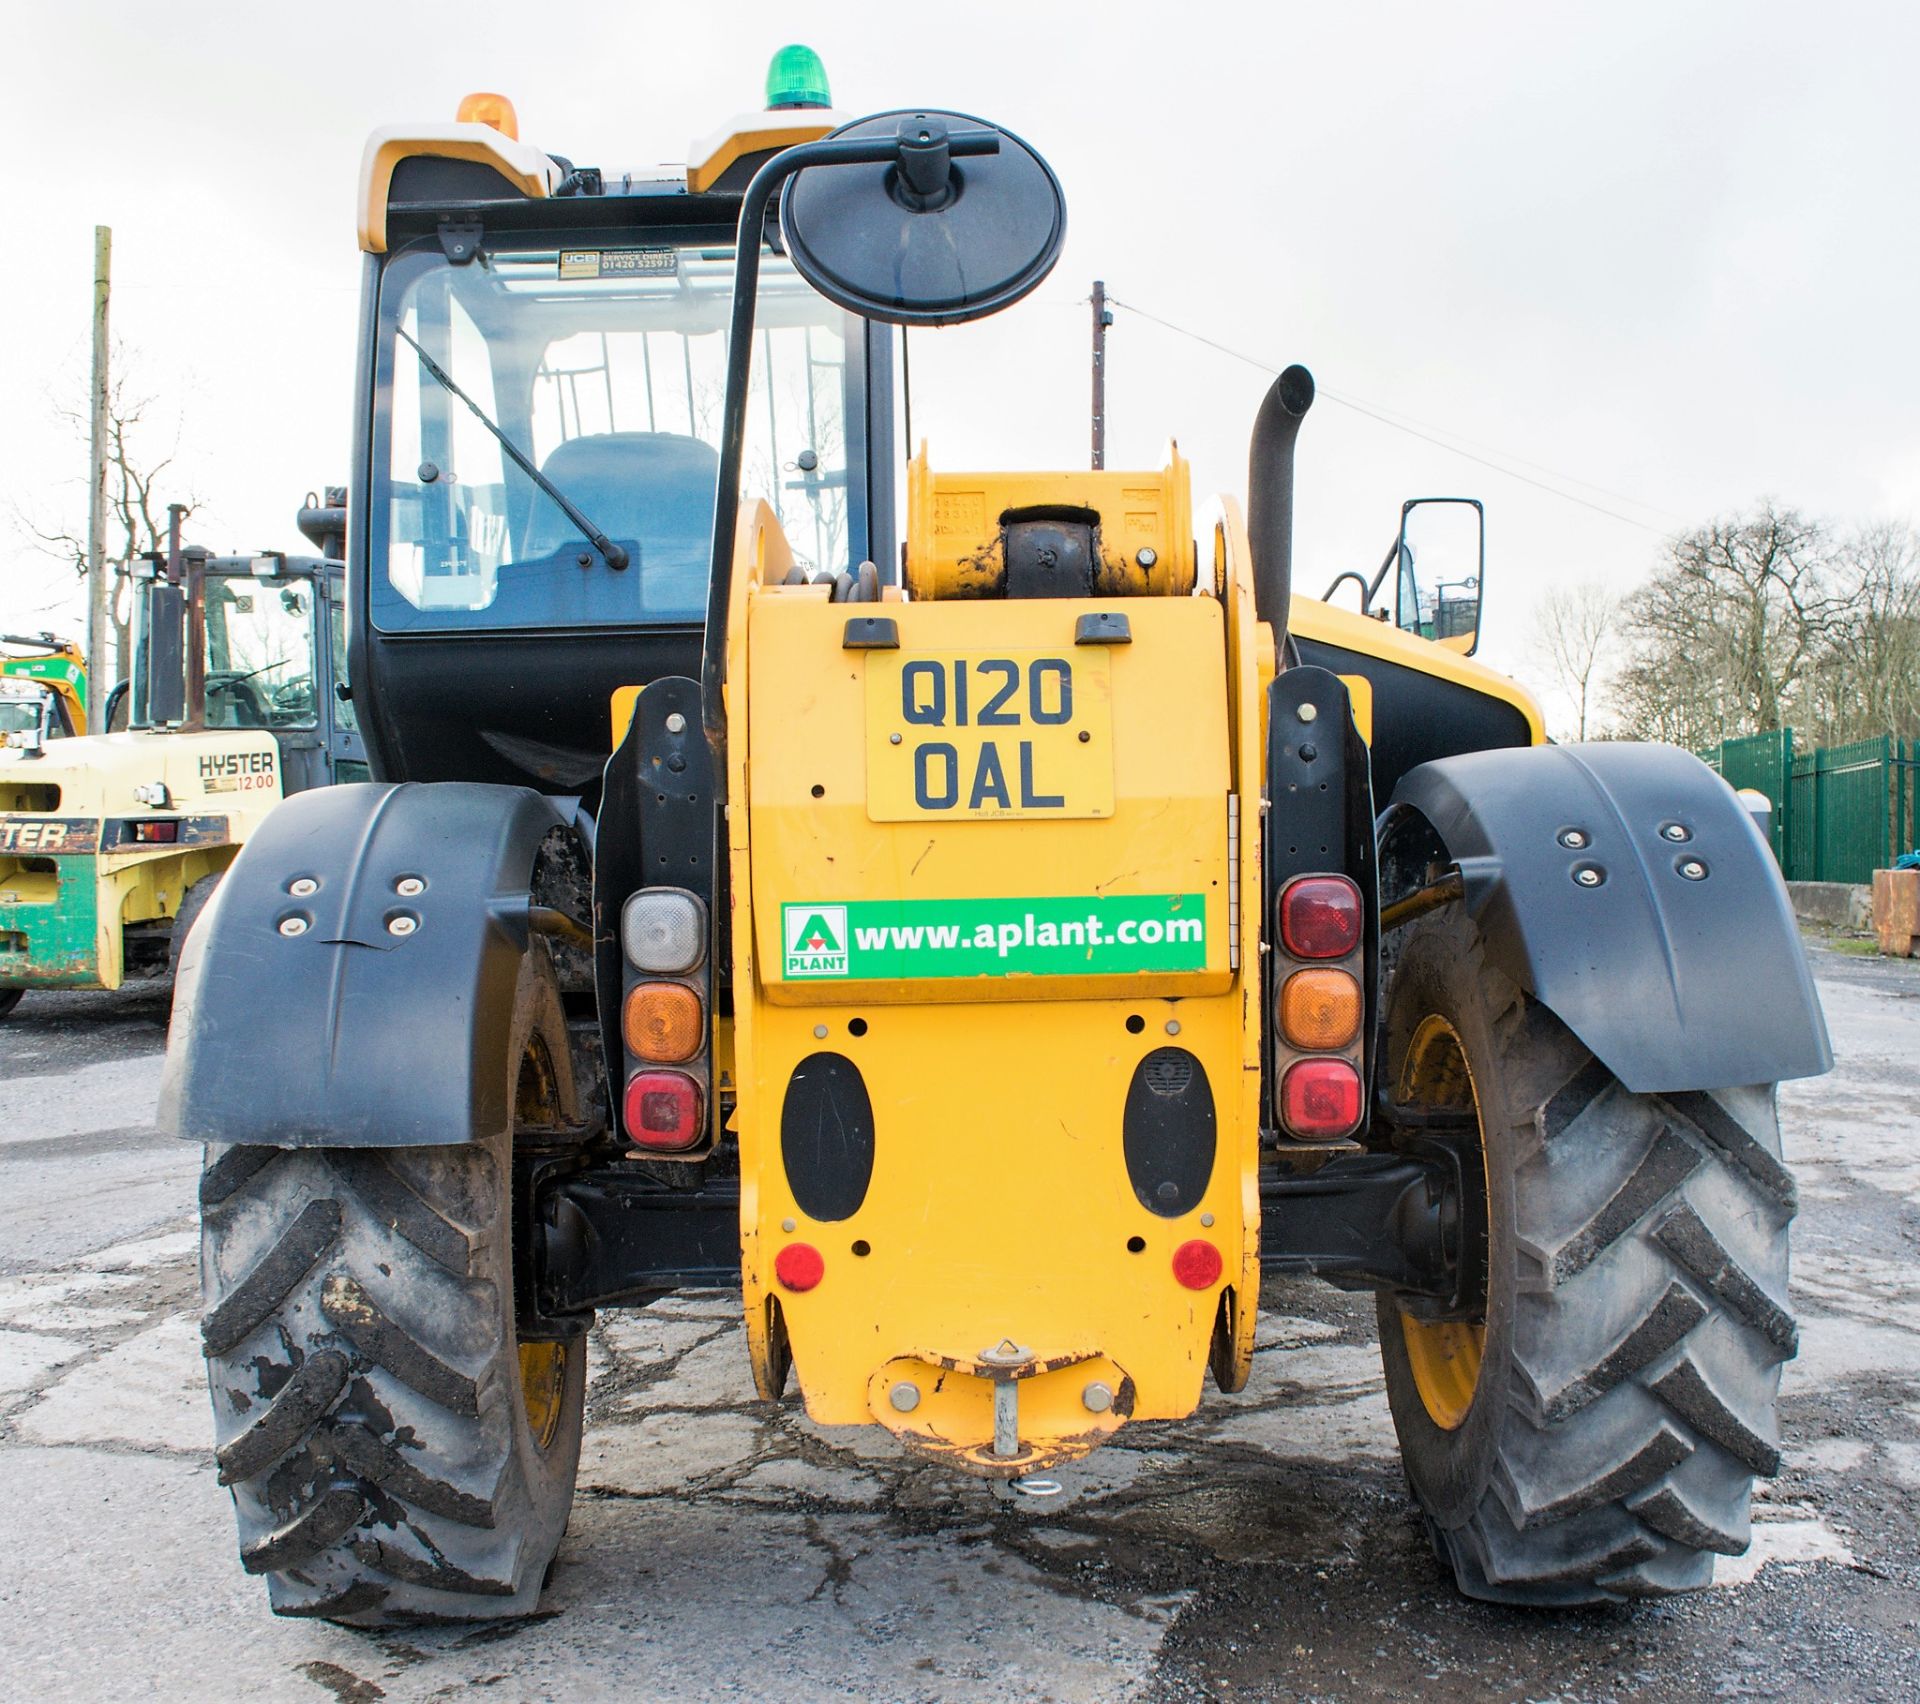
point(990, 942)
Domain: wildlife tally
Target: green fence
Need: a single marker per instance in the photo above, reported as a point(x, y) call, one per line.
point(1840, 812)
point(1763, 762)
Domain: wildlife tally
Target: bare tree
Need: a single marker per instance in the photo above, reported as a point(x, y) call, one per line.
point(1726, 633)
point(1866, 680)
point(136, 512)
point(1574, 625)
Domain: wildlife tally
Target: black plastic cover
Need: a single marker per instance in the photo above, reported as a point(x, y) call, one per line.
point(344, 1033)
point(1169, 1132)
point(1680, 966)
point(826, 1136)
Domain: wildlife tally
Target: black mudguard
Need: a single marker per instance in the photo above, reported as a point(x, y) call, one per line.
point(1673, 982)
point(344, 1033)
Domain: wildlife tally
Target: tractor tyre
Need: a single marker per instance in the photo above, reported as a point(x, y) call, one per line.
point(192, 903)
point(1591, 1432)
point(396, 1454)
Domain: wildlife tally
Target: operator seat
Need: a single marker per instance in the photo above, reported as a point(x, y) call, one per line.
point(652, 492)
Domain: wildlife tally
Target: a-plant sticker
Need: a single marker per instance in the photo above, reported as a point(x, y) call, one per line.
point(1075, 935)
point(816, 940)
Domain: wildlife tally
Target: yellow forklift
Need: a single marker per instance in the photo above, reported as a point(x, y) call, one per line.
point(111, 843)
point(991, 942)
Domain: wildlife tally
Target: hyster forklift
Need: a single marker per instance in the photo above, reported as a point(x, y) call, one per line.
point(112, 842)
point(991, 944)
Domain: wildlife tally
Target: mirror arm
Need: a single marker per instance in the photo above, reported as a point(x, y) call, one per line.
point(829, 151)
point(1380, 578)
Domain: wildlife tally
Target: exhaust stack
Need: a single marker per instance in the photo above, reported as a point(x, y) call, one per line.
point(1270, 494)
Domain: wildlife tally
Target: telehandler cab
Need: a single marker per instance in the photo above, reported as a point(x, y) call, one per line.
point(990, 945)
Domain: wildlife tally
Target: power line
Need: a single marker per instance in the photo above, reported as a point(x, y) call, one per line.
point(1373, 412)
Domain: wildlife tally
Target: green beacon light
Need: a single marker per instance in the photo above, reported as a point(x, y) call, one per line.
point(796, 78)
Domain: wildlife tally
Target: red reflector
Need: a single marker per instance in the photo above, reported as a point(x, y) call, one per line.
point(1320, 1097)
point(157, 833)
point(664, 1110)
point(1320, 917)
point(799, 1266)
point(1197, 1265)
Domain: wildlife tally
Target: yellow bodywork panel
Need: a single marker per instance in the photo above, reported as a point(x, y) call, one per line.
point(1351, 631)
point(525, 168)
point(883, 870)
point(1144, 539)
point(710, 157)
point(1000, 1297)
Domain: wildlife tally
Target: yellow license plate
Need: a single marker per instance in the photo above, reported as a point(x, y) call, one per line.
point(955, 734)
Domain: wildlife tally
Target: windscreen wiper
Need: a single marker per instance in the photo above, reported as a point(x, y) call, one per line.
point(615, 554)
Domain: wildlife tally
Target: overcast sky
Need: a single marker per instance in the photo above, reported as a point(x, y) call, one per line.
point(1661, 257)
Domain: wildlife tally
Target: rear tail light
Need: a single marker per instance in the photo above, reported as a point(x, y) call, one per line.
point(1320, 1009)
point(661, 1022)
point(1197, 1265)
point(663, 931)
point(1320, 1097)
point(157, 833)
point(1320, 917)
point(799, 1266)
point(665, 1110)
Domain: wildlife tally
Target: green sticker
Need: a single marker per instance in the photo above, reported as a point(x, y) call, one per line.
point(909, 939)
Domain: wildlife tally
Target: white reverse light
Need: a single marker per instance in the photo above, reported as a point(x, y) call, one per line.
point(664, 931)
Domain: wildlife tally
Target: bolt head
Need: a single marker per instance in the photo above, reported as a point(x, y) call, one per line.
point(1147, 556)
point(788, 1226)
point(1674, 831)
point(1097, 1398)
point(893, 739)
point(1573, 838)
point(1173, 1026)
point(408, 886)
point(1309, 712)
point(819, 1032)
point(293, 925)
point(1587, 878)
point(905, 1396)
point(401, 926)
point(1694, 870)
point(676, 723)
point(301, 886)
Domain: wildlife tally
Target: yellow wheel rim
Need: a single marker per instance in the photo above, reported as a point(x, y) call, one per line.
point(1444, 1355)
point(543, 1387)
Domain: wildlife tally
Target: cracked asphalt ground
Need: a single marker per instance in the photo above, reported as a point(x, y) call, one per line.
point(726, 1548)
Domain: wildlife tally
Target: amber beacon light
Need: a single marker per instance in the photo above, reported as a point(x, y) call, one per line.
point(494, 110)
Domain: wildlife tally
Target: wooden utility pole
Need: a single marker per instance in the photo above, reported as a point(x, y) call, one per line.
point(1102, 318)
point(99, 612)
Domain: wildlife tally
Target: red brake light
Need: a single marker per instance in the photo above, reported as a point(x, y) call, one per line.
point(799, 1266)
point(1197, 1265)
point(1320, 1097)
point(156, 833)
point(664, 1110)
point(1320, 917)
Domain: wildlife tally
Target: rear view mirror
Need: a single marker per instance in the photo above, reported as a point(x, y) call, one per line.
point(964, 219)
point(1440, 566)
point(166, 658)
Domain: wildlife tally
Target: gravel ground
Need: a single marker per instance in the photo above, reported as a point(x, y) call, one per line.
point(722, 1547)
